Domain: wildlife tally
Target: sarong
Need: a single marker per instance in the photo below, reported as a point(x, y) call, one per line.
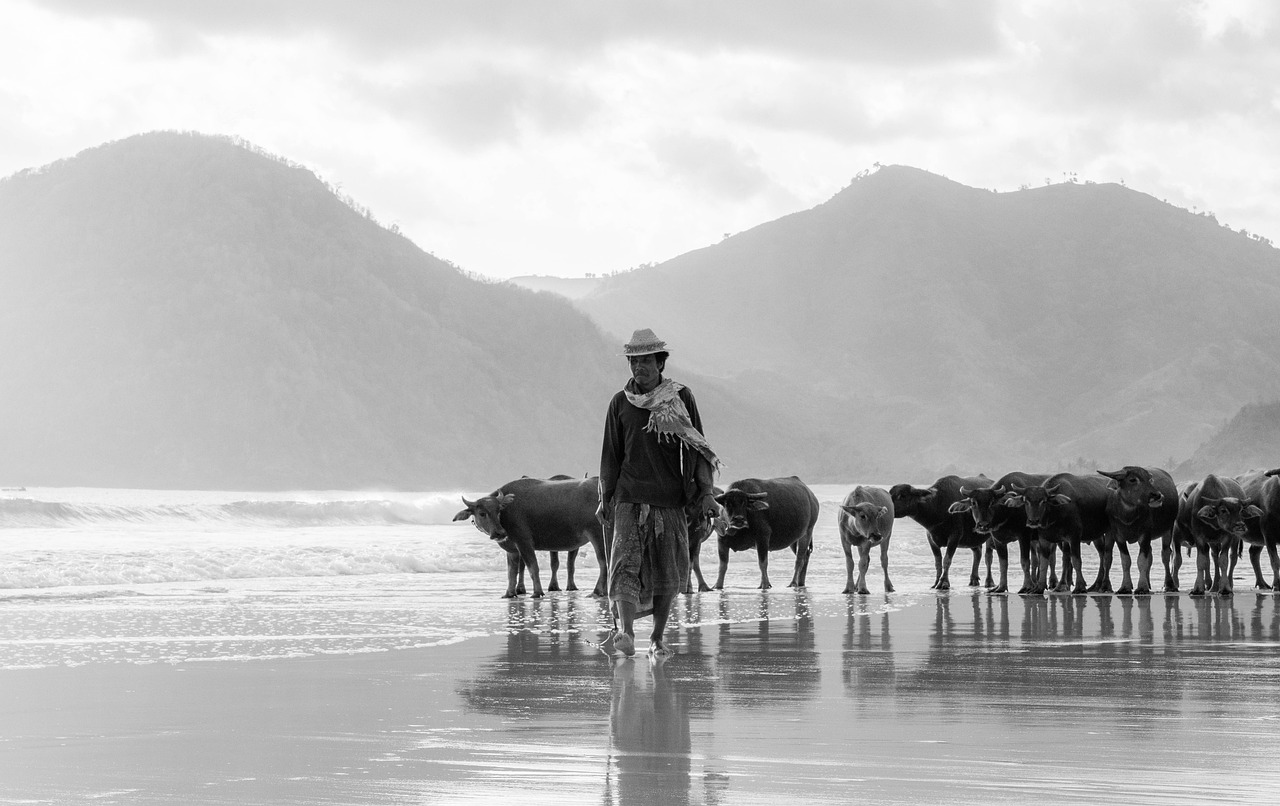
point(649, 556)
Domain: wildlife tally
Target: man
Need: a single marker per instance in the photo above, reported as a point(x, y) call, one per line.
point(654, 467)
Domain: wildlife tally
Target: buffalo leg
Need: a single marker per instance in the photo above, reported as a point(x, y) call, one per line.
point(515, 576)
point(571, 565)
point(1226, 584)
point(974, 580)
point(1025, 557)
point(884, 565)
point(1202, 570)
point(723, 551)
point(1145, 561)
point(762, 559)
point(530, 558)
point(1255, 559)
point(1275, 564)
point(864, 561)
point(849, 563)
point(555, 569)
point(1002, 555)
point(937, 561)
point(1126, 580)
point(944, 578)
point(803, 548)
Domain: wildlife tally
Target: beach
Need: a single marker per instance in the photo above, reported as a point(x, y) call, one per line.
point(424, 686)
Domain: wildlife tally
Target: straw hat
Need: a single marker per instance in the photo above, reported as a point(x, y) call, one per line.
point(644, 342)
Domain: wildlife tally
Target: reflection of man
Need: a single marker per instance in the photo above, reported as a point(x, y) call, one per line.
point(649, 726)
point(654, 465)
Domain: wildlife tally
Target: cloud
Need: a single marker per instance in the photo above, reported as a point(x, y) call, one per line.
point(713, 165)
point(890, 31)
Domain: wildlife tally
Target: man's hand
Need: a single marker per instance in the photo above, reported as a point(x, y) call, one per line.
point(708, 507)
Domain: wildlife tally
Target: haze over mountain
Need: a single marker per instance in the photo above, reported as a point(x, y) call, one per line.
point(942, 326)
point(185, 311)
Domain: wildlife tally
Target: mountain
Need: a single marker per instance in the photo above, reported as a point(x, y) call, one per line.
point(942, 327)
point(1249, 440)
point(187, 311)
point(568, 287)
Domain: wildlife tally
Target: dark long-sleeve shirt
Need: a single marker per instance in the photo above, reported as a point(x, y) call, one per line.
point(638, 468)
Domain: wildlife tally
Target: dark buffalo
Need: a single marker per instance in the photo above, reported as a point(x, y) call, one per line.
point(1065, 512)
point(701, 527)
point(768, 515)
point(528, 515)
point(865, 521)
point(1213, 516)
point(1002, 523)
point(1262, 487)
point(1141, 506)
point(931, 508)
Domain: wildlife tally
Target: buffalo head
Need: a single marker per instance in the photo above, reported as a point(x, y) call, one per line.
point(1134, 486)
point(1038, 501)
point(737, 503)
point(984, 504)
point(1227, 514)
point(866, 519)
point(487, 513)
point(907, 499)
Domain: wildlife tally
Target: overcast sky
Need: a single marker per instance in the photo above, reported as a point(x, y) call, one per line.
point(562, 138)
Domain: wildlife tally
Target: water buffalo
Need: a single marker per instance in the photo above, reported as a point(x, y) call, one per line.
point(1002, 523)
point(702, 526)
point(1212, 516)
point(930, 507)
point(1262, 487)
point(528, 515)
point(1142, 505)
point(865, 521)
point(768, 515)
point(1066, 511)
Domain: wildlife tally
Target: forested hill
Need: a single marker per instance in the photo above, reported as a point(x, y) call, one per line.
point(189, 312)
point(944, 326)
point(1249, 440)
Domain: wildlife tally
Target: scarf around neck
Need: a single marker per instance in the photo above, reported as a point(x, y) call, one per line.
point(669, 418)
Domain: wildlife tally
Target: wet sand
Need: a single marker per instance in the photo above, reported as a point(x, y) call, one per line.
point(960, 697)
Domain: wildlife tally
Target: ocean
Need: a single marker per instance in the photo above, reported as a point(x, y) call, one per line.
point(147, 576)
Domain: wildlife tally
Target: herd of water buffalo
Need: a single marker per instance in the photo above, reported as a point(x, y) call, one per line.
point(1044, 514)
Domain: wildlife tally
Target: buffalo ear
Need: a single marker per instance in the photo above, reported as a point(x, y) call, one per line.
point(463, 515)
point(1013, 501)
point(1273, 472)
point(1206, 513)
point(963, 505)
point(1251, 511)
point(719, 499)
point(883, 511)
point(1061, 500)
point(757, 503)
point(505, 501)
point(852, 511)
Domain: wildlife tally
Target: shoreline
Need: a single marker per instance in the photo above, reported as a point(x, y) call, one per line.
point(963, 696)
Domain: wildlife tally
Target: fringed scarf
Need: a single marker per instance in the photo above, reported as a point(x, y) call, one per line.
point(669, 418)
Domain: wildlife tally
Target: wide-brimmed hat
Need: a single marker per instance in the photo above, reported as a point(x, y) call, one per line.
point(644, 342)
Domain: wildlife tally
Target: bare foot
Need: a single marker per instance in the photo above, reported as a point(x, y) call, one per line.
point(625, 644)
point(658, 647)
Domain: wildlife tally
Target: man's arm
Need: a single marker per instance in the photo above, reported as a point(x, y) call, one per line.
point(610, 457)
point(703, 472)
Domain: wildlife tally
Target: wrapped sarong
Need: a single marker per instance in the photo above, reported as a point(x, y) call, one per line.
point(650, 554)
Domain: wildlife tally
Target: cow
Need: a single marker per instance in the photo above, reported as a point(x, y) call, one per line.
point(701, 527)
point(865, 521)
point(1262, 487)
point(528, 515)
point(768, 515)
point(1142, 504)
point(1003, 522)
point(1066, 511)
point(930, 507)
point(1213, 516)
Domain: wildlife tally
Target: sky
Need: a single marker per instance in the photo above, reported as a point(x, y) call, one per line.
point(576, 137)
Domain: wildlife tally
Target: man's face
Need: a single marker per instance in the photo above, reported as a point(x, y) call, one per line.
point(645, 370)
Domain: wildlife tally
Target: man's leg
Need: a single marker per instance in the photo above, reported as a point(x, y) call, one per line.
point(661, 609)
point(625, 641)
